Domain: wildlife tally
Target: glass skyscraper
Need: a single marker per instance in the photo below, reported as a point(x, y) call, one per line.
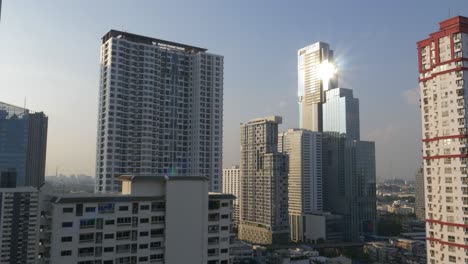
point(23, 139)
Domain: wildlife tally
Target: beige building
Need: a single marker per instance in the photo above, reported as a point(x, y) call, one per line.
point(264, 180)
point(304, 150)
point(232, 185)
point(443, 64)
point(149, 222)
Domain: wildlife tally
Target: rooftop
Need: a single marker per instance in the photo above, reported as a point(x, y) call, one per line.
point(150, 41)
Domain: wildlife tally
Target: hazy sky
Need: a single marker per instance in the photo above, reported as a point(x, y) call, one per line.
point(49, 53)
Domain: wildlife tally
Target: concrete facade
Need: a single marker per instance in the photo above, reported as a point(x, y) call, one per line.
point(160, 110)
point(443, 68)
point(264, 180)
point(232, 185)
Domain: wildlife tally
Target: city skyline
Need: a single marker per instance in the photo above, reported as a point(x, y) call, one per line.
point(62, 80)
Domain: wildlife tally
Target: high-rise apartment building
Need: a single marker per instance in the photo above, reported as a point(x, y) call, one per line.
point(311, 84)
point(19, 224)
point(419, 201)
point(232, 185)
point(149, 222)
point(160, 110)
point(304, 150)
point(341, 113)
point(23, 142)
point(264, 179)
point(348, 165)
point(443, 64)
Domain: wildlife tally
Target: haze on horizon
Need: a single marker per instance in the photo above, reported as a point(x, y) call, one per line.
point(49, 53)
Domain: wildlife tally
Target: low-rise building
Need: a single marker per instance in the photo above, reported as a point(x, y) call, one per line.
point(148, 222)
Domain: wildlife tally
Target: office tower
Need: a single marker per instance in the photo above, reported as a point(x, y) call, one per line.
point(160, 110)
point(232, 185)
point(264, 180)
point(304, 150)
point(23, 142)
point(443, 64)
point(341, 113)
point(313, 62)
point(419, 201)
point(348, 165)
point(149, 222)
point(19, 210)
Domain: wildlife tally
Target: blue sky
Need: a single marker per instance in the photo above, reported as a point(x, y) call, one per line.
point(49, 53)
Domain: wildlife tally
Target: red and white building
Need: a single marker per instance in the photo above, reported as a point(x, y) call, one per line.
point(443, 65)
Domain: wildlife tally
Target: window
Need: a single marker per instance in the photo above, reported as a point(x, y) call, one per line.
point(225, 228)
point(86, 237)
point(106, 208)
point(109, 249)
point(87, 223)
point(123, 235)
point(225, 216)
point(145, 207)
point(157, 232)
point(124, 220)
point(108, 236)
point(158, 206)
point(123, 208)
point(67, 239)
point(143, 246)
point(67, 210)
point(452, 259)
point(67, 224)
point(66, 253)
point(225, 204)
point(110, 222)
point(87, 251)
point(144, 220)
point(144, 233)
point(90, 209)
point(157, 219)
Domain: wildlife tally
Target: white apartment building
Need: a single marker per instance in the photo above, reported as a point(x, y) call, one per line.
point(160, 110)
point(19, 219)
point(264, 181)
point(304, 150)
point(443, 64)
point(232, 185)
point(149, 222)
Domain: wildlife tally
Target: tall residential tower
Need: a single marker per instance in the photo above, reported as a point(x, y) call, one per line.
point(264, 181)
point(443, 64)
point(160, 110)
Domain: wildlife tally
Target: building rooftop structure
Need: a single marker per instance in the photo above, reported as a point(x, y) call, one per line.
point(150, 41)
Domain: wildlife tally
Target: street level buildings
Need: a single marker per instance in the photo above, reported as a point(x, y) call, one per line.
point(443, 67)
point(160, 110)
point(304, 151)
point(264, 178)
point(232, 185)
point(149, 222)
point(23, 142)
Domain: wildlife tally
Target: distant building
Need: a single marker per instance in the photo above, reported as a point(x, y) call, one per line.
point(419, 201)
point(443, 88)
point(349, 176)
point(264, 177)
point(323, 228)
point(304, 150)
point(232, 185)
point(310, 84)
point(241, 252)
point(19, 224)
point(148, 222)
point(23, 142)
point(160, 110)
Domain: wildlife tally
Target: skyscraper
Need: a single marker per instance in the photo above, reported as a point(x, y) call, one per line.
point(23, 142)
point(304, 150)
point(232, 185)
point(419, 201)
point(264, 179)
point(341, 113)
point(311, 84)
point(443, 64)
point(349, 165)
point(160, 110)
